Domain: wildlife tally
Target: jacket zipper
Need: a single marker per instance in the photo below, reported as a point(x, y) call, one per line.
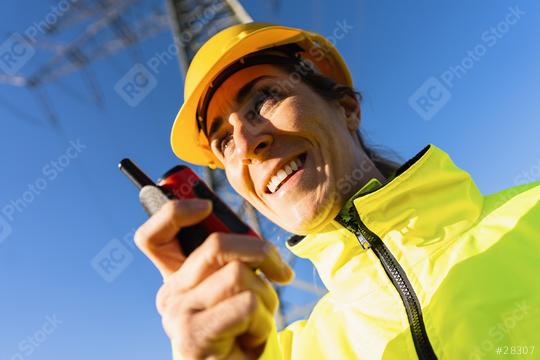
point(395, 272)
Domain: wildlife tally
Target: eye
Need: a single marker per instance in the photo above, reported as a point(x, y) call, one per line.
point(265, 99)
point(224, 141)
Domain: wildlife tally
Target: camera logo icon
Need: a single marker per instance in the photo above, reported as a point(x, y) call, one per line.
point(135, 85)
point(429, 98)
point(112, 260)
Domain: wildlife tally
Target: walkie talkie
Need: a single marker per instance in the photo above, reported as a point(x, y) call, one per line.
point(183, 183)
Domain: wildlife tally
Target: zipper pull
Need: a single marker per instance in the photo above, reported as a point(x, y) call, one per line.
point(363, 241)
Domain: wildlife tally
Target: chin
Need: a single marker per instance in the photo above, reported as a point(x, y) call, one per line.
point(303, 222)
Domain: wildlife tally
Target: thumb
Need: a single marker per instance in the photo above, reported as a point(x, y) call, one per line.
point(156, 238)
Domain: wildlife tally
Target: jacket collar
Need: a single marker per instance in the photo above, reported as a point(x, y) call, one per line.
point(427, 196)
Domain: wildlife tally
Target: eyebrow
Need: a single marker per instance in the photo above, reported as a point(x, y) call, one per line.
point(247, 88)
point(216, 124)
point(239, 98)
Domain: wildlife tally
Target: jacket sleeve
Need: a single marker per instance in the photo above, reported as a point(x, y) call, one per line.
point(272, 349)
point(280, 344)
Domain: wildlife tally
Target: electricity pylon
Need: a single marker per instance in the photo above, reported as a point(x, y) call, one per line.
point(194, 22)
point(103, 28)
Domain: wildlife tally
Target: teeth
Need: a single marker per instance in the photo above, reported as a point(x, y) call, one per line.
point(272, 185)
point(288, 169)
point(294, 166)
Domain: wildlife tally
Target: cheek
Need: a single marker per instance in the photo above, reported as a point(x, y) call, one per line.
point(239, 181)
point(298, 114)
point(244, 189)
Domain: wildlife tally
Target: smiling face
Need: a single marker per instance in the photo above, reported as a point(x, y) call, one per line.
point(285, 148)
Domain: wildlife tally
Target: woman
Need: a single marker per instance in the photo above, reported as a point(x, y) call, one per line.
point(418, 263)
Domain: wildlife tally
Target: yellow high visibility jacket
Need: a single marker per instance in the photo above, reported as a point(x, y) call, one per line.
point(424, 266)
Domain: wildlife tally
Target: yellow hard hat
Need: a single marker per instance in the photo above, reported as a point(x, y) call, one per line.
point(230, 46)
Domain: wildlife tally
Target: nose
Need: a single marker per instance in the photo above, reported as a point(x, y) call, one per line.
point(251, 138)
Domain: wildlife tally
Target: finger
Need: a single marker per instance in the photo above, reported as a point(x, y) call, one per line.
point(198, 338)
point(164, 225)
point(243, 314)
point(232, 279)
point(220, 249)
point(156, 237)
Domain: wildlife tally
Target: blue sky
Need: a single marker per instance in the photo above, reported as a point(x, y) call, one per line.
point(461, 75)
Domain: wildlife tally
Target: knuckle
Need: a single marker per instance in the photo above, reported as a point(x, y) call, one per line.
point(194, 340)
point(161, 299)
point(175, 321)
point(235, 275)
point(187, 347)
point(171, 302)
point(215, 242)
point(249, 300)
point(236, 270)
point(142, 237)
point(146, 234)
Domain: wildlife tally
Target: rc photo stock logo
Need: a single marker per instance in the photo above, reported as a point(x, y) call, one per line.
point(15, 52)
point(434, 93)
point(18, 49)
point(112, 260)
point(136, 84)
point(141, 80)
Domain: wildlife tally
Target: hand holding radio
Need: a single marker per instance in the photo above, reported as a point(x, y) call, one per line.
point(215, 304)
point(212, 302)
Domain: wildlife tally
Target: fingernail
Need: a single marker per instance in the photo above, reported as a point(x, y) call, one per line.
point(285, 270)
point(288, 273)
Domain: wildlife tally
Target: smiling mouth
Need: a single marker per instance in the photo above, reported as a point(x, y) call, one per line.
point(285, 173)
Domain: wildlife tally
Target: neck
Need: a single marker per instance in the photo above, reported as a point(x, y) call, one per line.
point(363, 170)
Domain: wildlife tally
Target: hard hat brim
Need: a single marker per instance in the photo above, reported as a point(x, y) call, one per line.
point(187, 142)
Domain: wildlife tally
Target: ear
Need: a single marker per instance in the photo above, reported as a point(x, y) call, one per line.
point(350, 108)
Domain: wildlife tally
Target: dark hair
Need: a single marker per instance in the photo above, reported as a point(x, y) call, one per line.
point(330, 90)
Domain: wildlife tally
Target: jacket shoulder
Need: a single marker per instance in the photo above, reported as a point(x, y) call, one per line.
point(520, 197)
